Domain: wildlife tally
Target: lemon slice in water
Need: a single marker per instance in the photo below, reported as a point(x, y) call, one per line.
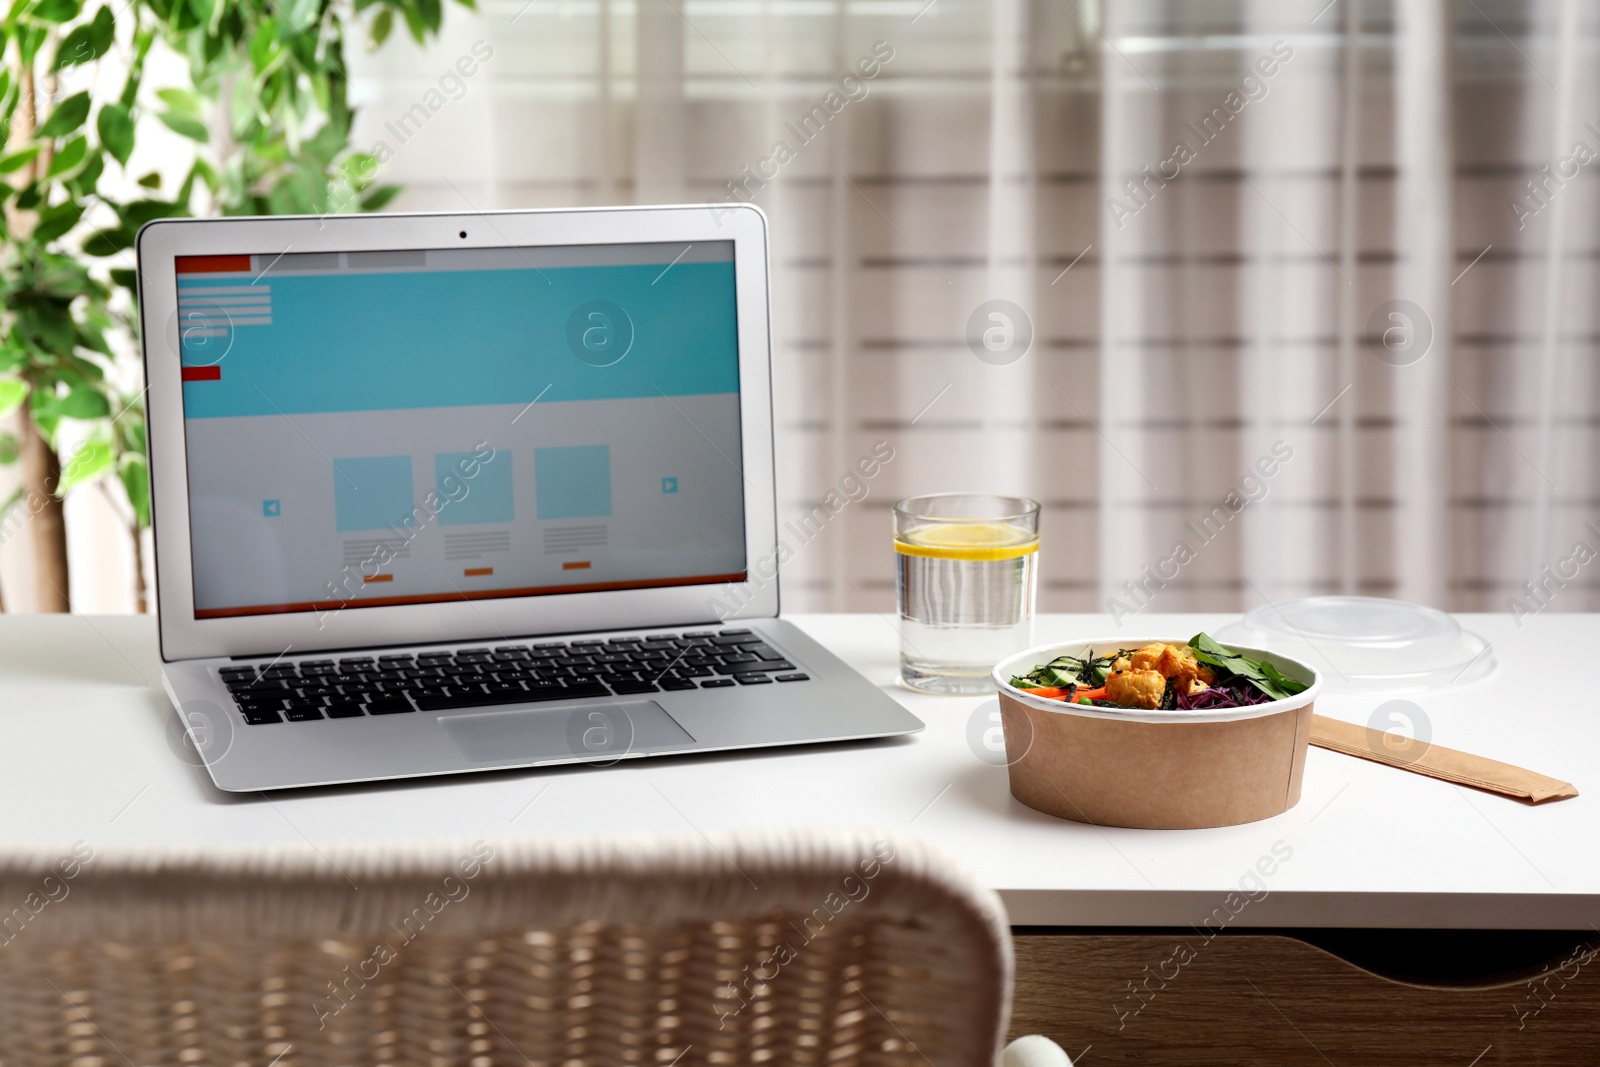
point(969, 541)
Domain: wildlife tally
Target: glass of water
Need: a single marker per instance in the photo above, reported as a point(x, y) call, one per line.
point(965, 577)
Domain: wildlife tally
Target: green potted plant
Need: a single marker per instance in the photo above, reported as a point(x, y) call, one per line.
point(268, 116)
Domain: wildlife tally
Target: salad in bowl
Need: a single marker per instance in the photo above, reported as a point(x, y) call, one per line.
point(1154, 732)
point(1201, 675)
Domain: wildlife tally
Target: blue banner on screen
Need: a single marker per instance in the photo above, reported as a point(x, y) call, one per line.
point(391, 427)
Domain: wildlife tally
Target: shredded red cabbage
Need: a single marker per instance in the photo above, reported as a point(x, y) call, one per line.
point(1222, 696)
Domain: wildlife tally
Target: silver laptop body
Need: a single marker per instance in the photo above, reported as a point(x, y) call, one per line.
point(447, 493)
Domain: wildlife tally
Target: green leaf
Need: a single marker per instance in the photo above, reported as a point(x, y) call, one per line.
point(187, 125)
point(91, 460)
point(85, 182)
point(329, 141)
point(205, 10)
point(115, 126)
point(322, 92)
point(93, 337)
point(414, 22)
point(142, 39)
point(108, 242)
point(264, 46)
point(1264, 676)
point(136, 483)
point(66, 118)
point(181, 100)
point(55, 221)
point(379, 198)
point(29, 40)
point(86, 43)
point(139, 212)
point(18, 159)
point(202, 172)
point(69, 157)
point(83, 403)
point(10, 450)
point(13, 391)
point(127, 278)
point(56, 10)
point(359, 168)
point(151, 180)
point(382, 26)
point(303, 14)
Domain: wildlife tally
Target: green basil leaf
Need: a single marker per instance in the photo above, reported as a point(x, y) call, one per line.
point(1264, 676)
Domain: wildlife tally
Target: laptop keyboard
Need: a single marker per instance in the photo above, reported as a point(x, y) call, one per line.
point(316, 689)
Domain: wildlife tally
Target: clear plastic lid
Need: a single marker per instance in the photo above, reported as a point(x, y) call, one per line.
point(1360, 642)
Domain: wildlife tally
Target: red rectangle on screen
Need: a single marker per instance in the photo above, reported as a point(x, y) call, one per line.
point(212, 264)
point(212, 373)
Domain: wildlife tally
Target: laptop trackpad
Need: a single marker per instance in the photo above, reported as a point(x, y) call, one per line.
point(595, 730)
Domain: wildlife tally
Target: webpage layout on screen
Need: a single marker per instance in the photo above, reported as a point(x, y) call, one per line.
point(370, 428)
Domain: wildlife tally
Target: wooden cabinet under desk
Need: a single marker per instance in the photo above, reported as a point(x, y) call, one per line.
point(1455, 998)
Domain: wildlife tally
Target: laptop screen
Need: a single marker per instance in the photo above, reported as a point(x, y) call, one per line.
point(405, 427)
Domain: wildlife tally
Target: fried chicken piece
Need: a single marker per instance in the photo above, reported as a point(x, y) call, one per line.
point(1173, 661)
point(1136, 688)
point(1146, 658)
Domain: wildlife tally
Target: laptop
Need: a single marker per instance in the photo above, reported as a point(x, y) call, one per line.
point(448, 493)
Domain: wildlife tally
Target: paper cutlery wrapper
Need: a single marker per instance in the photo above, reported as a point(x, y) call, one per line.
point(1436, 761)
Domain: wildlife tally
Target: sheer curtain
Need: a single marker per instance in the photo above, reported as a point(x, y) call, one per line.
point(1299, 321)
point(1306, 286)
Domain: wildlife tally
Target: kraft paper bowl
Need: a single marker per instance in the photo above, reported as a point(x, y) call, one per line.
point(1160, 770)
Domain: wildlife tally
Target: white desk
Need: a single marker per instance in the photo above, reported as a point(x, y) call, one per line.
point(86, 756)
